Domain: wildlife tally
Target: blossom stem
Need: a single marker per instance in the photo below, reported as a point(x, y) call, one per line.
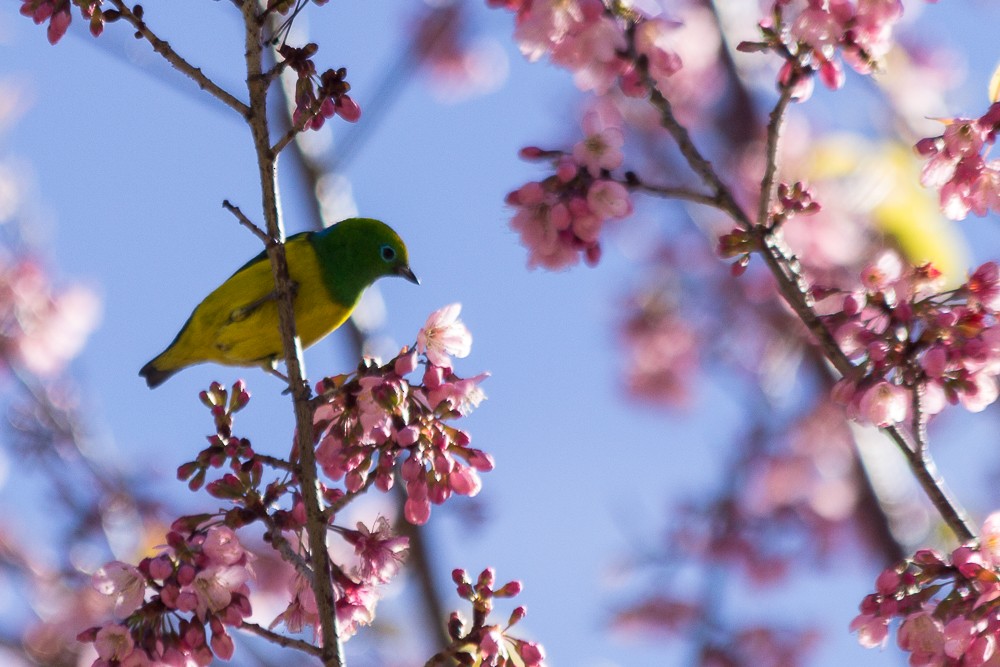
point(792, 286)
point(275, 462)
point(673, 192)
point(294, 131)
point(767, 183)
point(722, 196)
point(179, 63)
point(281, 640)
point(322, 583)
point(344, 500)
point(246, 222)
point(286, 550)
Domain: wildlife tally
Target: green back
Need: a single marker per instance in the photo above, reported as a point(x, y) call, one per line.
point(354, 253)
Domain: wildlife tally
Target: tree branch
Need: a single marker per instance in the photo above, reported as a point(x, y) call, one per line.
point(257, 84)
point(791, 283)
point(178, 62)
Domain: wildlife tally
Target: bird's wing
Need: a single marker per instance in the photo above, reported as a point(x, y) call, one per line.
point(246, 312)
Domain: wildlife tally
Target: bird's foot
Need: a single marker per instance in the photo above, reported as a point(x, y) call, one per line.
point(241, 313)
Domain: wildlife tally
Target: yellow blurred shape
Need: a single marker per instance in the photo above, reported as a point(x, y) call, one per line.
point(882, 180)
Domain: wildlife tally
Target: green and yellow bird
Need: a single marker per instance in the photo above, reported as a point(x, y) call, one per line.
point(237, 324)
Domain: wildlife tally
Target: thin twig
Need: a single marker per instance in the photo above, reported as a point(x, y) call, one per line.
point(246, 222)
point(738, 122)
point(293, 131)
point(287, 551)
point(275, 71)
point(275, 462)
point(281, 640)
point(164, 49)
point(767, 184)
point(698, 163)
point(674, 192)
point(342, 502)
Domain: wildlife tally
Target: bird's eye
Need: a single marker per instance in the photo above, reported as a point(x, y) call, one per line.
point(388, 253)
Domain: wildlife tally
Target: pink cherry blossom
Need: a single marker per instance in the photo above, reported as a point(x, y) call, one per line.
point(381, 552)
point(600, 149)
point(355, 605)
point(462, 396)
point(444, 336)
point(923, 636)
point(544, 25)
point(946, 606)
point(957, 168)
point(981, 392)
point(58, 25)
point(375, 419)
point(114, 642)
point(873, 631)
point(125, 583)
point(302, 610)
point(990, 539)
point(654, 40)
point(609, 199)
point(592, 54)
point(883, 404)
point(223, 547)
point(883, 272)
point(214, 587)
point(984, 286)
point(813, 34)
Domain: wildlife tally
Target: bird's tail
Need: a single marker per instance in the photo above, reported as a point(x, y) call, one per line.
point(154, 376)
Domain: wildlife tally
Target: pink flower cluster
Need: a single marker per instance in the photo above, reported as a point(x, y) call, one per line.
point(41, 328)
point(809, 34)
point(904, 334)
point(165, 604)
point(948, 607)
point(371, 419)
point(56, 12)
point(380, 554)
point(663, 349)
point(757, 645)
point(585, 37)
point(490, 645)
point(957, 166)
point(246, 470)
point(314, 104)
point(561, 217)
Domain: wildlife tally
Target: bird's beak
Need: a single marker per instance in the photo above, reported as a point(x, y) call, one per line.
point(407, 272)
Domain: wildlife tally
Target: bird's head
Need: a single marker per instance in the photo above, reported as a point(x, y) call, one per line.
point(366, 250)
point(395, 259)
